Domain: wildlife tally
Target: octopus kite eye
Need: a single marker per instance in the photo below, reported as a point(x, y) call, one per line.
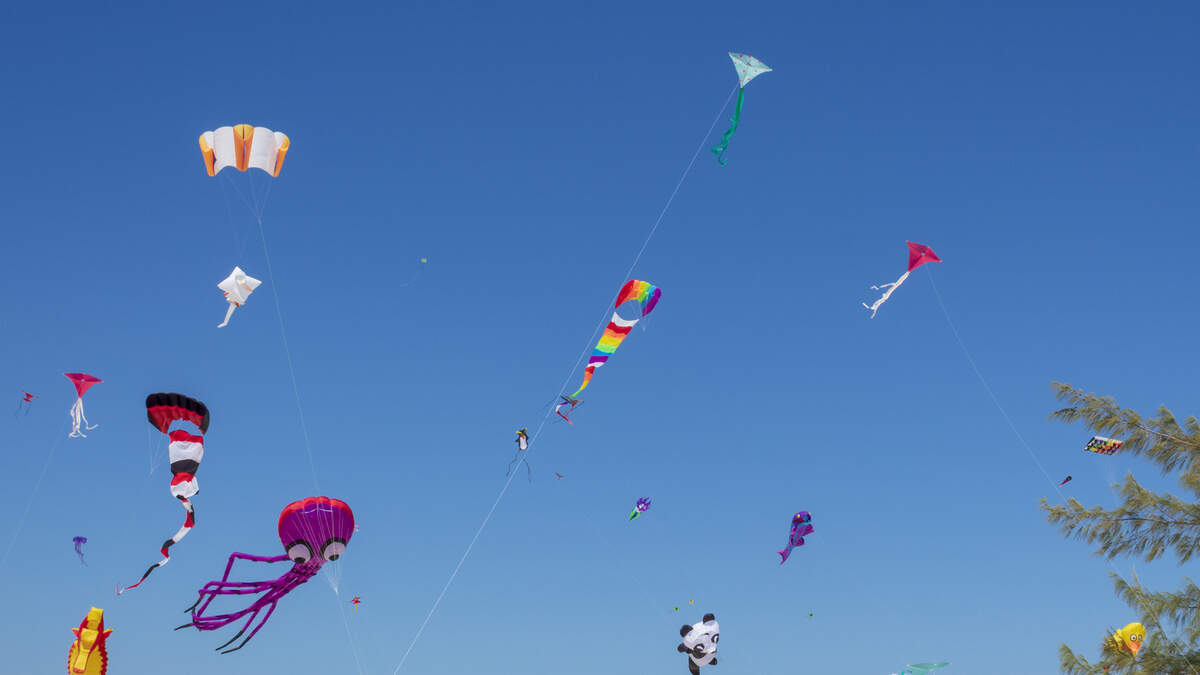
point(299, 552)
point(333, 549)
point(716, 638)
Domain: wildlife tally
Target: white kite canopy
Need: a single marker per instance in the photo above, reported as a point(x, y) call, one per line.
point(747, 67)
point(237, 286)
point(244, 147)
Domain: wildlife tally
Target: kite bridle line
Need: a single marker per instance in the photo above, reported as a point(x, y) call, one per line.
point(987, 387)
point(588, 346)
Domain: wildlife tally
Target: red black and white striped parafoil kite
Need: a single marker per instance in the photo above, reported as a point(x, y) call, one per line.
point(186, 449)
point(918, 254)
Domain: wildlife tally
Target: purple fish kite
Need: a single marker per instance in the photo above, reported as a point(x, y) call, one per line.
point(801, 525)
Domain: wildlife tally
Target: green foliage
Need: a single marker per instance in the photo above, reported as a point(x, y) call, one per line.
point(1145, 525)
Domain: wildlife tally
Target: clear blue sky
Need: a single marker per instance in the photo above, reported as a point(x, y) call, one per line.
point(1048, 155)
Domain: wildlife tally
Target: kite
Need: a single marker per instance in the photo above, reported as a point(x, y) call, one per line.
point(356, 601)
point(237, 287)
point(26, 397)
point(918, 254)
point(700, 643)
point(559, 476)
point(88, 654)
point(1103, 446)
point(313, 531)
point(244, 147)
point(1065, 481)
point(922, 668)
point(185, 451)
point(79, 542)
point(747, 68)
point(801, 525)
point(646, 295)
point(82, 382)
point(522, 446)
point(567, 400)
point(416, 276)
point(1129, 638)
point(642, 506)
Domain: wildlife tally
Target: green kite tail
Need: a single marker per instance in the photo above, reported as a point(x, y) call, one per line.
point(719, 150)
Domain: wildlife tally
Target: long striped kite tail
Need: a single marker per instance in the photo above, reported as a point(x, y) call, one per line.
point(189, 522)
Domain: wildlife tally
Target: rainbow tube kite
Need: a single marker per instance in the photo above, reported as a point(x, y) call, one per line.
point(646, 295)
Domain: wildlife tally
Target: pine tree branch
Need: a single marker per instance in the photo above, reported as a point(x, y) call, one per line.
point(1127, 530)
point(1161, 439)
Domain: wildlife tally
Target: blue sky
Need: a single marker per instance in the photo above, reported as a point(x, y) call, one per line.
point(1047, 153)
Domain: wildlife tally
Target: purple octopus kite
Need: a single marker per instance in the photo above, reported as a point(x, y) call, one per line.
point(801, 525)
point(313, 531)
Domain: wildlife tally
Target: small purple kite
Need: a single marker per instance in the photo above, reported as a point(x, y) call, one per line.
point(643, 505)
point(79, 542)
point(313, 531)
point(801, 525)
point(1065, 481)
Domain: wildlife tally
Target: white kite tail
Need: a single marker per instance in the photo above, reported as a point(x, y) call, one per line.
point(228, 313)
point(887, 289)
point(79, 420)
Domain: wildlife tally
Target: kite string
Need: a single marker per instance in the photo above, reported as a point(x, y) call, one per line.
point(337, 597)
point(299, 408)
point(24, 514)
point(588, 346)
point(966, 352)
point(288, 354)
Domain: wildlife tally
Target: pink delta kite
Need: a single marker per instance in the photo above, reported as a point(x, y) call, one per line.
point(918, 254)
point(82, 382)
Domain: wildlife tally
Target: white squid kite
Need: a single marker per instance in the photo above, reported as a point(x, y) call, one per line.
point(918, 254)
point(237, 287)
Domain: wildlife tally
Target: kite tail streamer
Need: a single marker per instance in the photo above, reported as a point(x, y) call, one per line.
point(558, 411)
point(188, 522)
point(78, 419)
point(228, 315)
point(719, 150)
point(887, 289)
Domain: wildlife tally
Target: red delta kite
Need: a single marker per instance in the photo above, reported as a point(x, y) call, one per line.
point(918, 254)
point(82, 382)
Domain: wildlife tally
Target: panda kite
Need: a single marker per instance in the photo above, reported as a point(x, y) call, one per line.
point(700, 643)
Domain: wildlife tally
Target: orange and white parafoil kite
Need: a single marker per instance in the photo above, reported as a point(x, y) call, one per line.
point(244, 147)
